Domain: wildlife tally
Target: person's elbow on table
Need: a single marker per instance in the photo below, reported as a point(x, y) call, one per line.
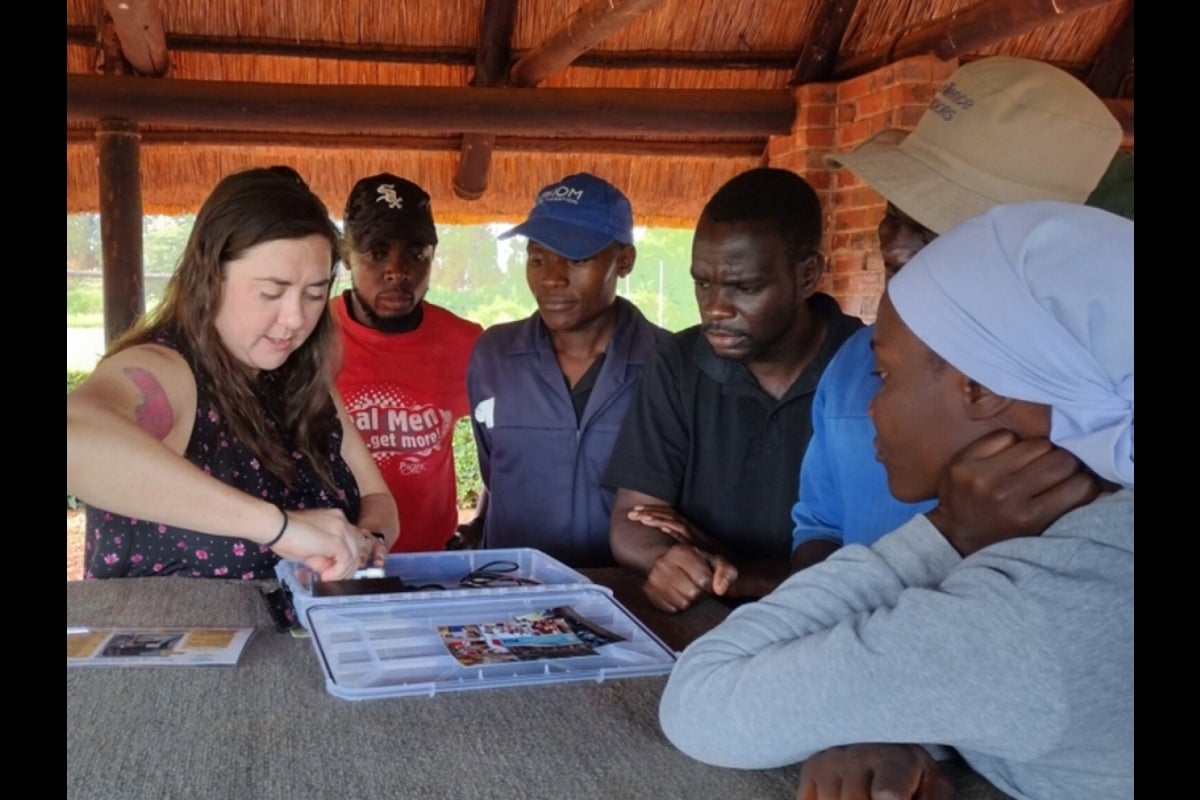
point(695, 717)
point(685, 723)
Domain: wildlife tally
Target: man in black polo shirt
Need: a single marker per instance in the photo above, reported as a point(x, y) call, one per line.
point(708, 459)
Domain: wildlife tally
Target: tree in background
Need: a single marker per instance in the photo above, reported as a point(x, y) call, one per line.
point(83, 242)
point(661, 281)
point(475, 275)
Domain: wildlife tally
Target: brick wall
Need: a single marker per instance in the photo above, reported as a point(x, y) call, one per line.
point(836, 117)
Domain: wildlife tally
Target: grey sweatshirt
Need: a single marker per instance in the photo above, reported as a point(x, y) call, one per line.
point(1020, 656)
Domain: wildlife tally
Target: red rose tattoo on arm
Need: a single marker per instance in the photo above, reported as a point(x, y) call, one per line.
point(154, 413)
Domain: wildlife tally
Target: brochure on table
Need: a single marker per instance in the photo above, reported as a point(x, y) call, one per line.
point(155, 647)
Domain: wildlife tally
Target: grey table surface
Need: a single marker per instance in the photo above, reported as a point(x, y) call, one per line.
point(268, 728)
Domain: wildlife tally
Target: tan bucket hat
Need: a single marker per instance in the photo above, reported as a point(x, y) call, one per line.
point(1001, 130)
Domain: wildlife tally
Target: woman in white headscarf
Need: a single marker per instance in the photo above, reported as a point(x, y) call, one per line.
point(1006, 353)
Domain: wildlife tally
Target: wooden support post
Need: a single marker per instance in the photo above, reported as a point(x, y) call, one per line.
point(109, 58)
point(580, 33)
point(474, 165)
point(139, 28)
point(965, 31)
point(574, 37)
point(491, 69)
point(120, 225)
point(821, 49)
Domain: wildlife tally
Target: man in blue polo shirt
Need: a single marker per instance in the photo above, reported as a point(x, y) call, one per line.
point(1022, 130)
point(548, 394)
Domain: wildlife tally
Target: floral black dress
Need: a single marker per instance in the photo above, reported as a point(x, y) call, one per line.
point(121, 547)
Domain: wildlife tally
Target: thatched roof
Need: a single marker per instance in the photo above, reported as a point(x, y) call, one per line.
point(753, 46)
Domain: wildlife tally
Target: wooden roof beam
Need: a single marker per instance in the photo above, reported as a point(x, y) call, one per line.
point(820, 52)
point(430, 111)
point(711, 149)
point(964, 31)
point(495, 43)
point(84, 36)
point(582, 31)
point(491, 69)
point(139, 28)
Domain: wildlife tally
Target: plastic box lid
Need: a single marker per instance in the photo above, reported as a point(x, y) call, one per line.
point(433, 569)
point(391, 646)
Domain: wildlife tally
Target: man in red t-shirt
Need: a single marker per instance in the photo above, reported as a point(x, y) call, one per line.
point(403, 376)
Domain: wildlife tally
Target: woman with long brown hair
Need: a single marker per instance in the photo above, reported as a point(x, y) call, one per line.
point(209, 441)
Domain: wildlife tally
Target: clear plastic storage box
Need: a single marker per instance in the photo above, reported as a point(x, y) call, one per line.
point(420, 572)
point(394, 644)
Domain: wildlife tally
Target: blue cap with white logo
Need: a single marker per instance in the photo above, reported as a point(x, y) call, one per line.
point(578, 217)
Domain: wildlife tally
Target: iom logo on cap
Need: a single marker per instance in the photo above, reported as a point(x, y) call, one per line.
point(949, 101)
point(561, 194)
point(387, 194)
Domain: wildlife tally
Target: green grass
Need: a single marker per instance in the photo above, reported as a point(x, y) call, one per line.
point(85, 299)
point(76, 377)
point(466, 465)
point(85, 304)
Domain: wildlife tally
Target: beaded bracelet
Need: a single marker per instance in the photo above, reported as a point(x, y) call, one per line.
point(282, 528)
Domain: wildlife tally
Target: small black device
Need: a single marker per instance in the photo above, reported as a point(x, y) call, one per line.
point(385, 585)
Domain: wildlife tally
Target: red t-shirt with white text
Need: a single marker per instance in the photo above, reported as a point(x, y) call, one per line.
point(404, 393)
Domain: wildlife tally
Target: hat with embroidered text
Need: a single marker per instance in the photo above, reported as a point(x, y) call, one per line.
point(1001, 130)
point(578, 217)
point(389, 207)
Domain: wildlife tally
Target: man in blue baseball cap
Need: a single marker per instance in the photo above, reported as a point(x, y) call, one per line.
point(578, 217)
point(548, 393)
